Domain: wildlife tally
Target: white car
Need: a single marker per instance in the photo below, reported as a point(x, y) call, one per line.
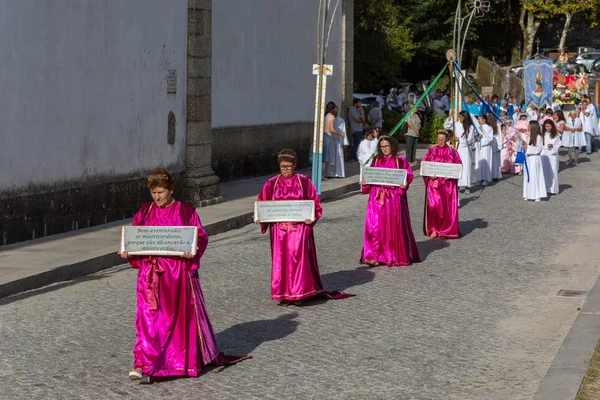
point(587, 59)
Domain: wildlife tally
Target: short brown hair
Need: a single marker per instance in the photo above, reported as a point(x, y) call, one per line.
point(160, 177)
point(287, 155)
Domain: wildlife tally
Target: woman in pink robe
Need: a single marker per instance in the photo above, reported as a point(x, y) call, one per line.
point(389, 239)
point(174, 336)
point(441, 194)
point(295, 271)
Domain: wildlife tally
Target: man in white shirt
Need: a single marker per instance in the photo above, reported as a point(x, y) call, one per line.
point(438, 106)
point(533, 114)
point(393, 102)
point(589, 122)
point(375, 116)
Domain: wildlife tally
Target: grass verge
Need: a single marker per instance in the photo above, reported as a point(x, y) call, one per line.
point(590, 386)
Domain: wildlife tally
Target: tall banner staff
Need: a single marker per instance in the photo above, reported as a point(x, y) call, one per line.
point(322, 70)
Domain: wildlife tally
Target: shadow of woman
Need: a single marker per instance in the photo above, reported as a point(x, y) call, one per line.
point(342, 280)
point(563, 187)
point(244, 338)
point(466, 227)
point(429, 246)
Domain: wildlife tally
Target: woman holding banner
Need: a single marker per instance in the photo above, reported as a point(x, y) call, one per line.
point(174, 336)
point(389, 239)
point(441, 193)
point(295, 271)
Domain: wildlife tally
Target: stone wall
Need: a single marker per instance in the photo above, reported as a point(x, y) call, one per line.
point(94, 98)
point(491, 74)
point(251, 150)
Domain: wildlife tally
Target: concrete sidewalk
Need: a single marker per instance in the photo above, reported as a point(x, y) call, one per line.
point(40, 262)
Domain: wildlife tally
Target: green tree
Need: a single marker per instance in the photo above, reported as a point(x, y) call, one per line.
point(383, 43)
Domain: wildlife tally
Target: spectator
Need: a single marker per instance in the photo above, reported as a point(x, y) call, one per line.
point(438, 106)
point(375, 117)
point(356, 117)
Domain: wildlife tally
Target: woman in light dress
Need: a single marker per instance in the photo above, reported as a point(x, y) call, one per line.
point(534, 183)
point(331, 140)
point(483, 152)
point(464, 132)
point(550, 156)
point(497, 145)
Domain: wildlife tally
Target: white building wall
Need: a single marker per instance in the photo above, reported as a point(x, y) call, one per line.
point(263, 52)
point(83, 88)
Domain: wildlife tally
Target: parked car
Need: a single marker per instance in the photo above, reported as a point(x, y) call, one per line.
point(366, 99)
point(587, 59)
point(517, 70)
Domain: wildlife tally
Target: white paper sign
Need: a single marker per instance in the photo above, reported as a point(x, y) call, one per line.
point(441, 170)
point(284, 211)
point(384, 176)
point(159, 240)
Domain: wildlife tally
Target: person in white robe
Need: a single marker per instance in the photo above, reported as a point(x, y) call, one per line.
point(534, 183)
point(338, 170)
point(589, 121)
point(483, 152)
point(366, 148)
point(496, 146)
point(550, 157)
point(571, 137)
point(464, 132)
point(516, 116)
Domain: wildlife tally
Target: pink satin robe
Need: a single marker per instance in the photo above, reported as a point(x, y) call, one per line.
point(388, 237)
point(441, 197)
point(295, 271)
point(506, 155)
point(174, 335)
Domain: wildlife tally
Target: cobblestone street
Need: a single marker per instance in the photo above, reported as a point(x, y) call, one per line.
point(479, 318)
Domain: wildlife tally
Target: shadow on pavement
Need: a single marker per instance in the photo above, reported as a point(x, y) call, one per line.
point(247, 336)
point(429, 246)
point(342, 280)
point(562, 188)
point(57, 286)
point(466, 227)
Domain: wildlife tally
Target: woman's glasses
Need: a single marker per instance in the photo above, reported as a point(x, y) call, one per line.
point(286, 166)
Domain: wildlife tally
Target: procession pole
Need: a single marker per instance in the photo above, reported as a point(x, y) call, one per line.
point(320, 99)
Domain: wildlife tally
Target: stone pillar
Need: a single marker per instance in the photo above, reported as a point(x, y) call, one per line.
point(347, 55)
point(200, 184)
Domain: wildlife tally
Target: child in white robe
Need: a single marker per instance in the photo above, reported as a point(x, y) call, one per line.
point(571, 137)
point(534, 183)
point(550, 156)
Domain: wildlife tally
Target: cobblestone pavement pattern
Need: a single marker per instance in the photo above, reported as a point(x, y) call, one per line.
point(478, 319)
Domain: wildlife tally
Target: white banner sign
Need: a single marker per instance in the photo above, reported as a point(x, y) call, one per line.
point(384, 176)
point(284, 211)
point(441, 170)
point(159, 240)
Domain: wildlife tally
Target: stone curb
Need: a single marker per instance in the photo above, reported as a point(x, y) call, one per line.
point(564, 377)
point(72, 271)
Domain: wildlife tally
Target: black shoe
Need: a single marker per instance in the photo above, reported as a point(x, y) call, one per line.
point(146, 380)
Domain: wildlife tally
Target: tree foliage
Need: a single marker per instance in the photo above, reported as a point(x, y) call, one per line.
point(383, 43)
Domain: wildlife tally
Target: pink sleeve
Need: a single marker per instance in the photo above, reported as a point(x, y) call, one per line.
point(311, 194)
point(139, 220)
point(404, 164)
point(265, 194)
point(194, 263)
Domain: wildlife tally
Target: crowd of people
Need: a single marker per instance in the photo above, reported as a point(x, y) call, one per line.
point(525, 142)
